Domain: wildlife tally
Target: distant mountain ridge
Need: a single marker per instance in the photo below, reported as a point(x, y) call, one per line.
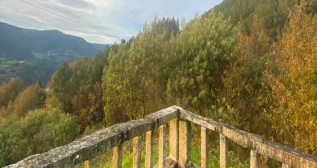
point(36, 54)
point(19, 43)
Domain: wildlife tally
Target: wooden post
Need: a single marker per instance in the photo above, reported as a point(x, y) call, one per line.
point(137, 150)
point(254, 159)
point(184, 143)
point(161, 146)
point(204, 148)
point(87, 164)
point(149, 149)
point(223, 151)
point(117, 157)
point(173, 139)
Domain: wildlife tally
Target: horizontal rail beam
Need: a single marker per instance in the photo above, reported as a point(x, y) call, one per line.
point(284, 154)
point(95, 144)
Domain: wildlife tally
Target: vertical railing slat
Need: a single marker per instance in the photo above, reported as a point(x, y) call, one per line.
point(161, 146)
point(285, 166)
point(184, 142)
point(223, 151)
point(137, 151)
point(117, 157)
point(173, 139)
point(254, 159)
point(87, 164)
point(149, 149)
point(204, 148)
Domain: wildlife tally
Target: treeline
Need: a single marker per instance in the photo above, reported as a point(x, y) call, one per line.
point(248, 63)
point(37, 118)
point(256, 72)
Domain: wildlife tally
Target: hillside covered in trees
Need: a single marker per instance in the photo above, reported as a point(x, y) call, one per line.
point(36, 54)
point(20, 43)
point(249, 63)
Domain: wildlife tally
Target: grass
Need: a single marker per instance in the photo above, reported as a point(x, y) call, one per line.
point(128, 156)
point(195, 158)
point(38, 55)
point(104, 160)
point(3, 66)
point(4, 63)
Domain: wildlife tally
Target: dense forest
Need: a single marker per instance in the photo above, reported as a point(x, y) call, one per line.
point(249, 63)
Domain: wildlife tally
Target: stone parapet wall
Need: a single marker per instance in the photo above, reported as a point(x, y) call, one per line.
point(179, 134)
point(257, 144)
point(97, 143)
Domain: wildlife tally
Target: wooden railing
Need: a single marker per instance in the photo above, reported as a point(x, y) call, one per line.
point(179, 134)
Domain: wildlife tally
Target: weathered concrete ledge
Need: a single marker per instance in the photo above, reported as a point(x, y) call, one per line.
point(97, 143)
point(179, 139)
point(284, 154)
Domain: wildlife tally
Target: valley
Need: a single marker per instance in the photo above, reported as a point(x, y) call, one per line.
point(34, 54)
point(41, 67)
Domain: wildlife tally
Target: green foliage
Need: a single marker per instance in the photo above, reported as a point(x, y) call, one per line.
point(113, 80)
point(133, 82)
point(76, 88)
point(271, 13)
point(213, 160)
point(12, 142)
point(38, 132)
point(38, 69)
point(60, 86)
point(38, 55)
point(311, 7)
point(292, 113)
point(243, 79)
point(198, 57)
point(128, 157)
point(211, 69)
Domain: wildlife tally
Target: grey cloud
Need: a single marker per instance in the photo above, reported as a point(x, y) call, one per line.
point(103, 21)
point(76, 3)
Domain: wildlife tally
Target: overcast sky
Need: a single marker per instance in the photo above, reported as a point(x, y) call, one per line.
point(97, 21)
